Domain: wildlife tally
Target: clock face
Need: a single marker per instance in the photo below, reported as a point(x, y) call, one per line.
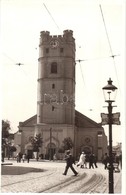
point(54, 43)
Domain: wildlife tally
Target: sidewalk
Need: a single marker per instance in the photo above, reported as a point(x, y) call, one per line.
point(18, 172)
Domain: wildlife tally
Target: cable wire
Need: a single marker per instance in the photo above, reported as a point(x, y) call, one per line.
point(113, 56)
point(55, 21)
point(106, 30)
point(51, 17)
point(84, 82)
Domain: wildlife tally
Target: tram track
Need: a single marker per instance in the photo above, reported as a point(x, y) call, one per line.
point(84, 183)
point(63, 184)
point(81, 184)
point(93, 185)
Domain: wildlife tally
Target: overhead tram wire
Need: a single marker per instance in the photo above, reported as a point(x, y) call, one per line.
point(15, 63)
point(51, 16)
point(55, 21)
point(112, 55)
point(9, 57)
point(84, 81)
point(99, 58)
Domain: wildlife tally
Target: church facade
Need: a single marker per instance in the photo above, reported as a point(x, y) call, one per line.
point(56, 117)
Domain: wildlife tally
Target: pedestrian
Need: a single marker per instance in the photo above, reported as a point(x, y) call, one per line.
point(69, 163)
point(86, 160)
point(81, 160)
point(54, 157)
point(95, 161)
point(120, 160)
point(105, 160)
point(91, 161)
point(3, 156)
point(117, 159)
point(23, 157)
point(28, 158)
point(17, 157)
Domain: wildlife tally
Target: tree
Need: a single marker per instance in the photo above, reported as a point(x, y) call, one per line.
point(36, 143)
point(5, 131)
point(5, 135)
point(67, 143)
point(11, 149)
point(5, 128)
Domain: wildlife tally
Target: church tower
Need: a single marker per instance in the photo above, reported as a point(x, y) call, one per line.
point(56, 79)
point(56, 90)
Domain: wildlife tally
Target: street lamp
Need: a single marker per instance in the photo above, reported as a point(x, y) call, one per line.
point(110, 93)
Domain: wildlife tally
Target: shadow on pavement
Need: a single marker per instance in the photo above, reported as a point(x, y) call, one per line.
point(15, 170)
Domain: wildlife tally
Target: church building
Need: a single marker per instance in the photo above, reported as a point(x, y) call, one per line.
point(56, 117)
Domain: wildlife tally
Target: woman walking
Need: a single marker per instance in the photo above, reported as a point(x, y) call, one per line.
point(82, 160)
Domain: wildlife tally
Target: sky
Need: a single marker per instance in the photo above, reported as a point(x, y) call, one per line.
point(98, 29)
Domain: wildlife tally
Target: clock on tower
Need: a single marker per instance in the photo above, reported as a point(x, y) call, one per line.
point(54, 43)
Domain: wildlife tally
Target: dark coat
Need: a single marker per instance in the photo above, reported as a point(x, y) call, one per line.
point(69, 159)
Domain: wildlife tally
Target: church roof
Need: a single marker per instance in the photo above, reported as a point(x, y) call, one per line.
point(29, 122)
point(80, 121)
point(83, 121)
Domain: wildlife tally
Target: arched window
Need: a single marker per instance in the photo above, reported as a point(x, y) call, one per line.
point(54, 67)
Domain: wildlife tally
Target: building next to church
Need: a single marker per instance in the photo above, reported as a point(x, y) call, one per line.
point(56, 117)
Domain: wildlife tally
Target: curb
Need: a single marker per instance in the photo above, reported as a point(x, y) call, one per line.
point(6, 163)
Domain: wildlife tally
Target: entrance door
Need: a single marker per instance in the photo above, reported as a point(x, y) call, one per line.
point(51, 150)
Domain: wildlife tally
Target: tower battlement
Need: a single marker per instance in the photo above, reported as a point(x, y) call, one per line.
point(67, 34)
point(45, 33)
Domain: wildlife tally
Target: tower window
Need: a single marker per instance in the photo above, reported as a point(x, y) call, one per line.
point(47, 50)
point(53, 86)
point(54, 67)
point(53, 108)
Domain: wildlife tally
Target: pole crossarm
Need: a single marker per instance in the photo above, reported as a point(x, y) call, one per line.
point(114, 118)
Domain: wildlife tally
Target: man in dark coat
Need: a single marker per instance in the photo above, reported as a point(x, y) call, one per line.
point(28, 158)
point(91, 161)
point(69, 163)
point(106, 160)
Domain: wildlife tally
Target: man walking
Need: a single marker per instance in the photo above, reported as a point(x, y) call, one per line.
point(105, 161)
point(69, 161)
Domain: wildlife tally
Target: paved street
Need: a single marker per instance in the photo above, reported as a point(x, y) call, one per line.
point(46, 176)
